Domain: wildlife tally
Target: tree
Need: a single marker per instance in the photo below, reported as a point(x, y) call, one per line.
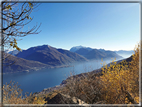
point(16, 17)
point(12, 94)
point(121, 81)
point(86, 87)
point(117, 83)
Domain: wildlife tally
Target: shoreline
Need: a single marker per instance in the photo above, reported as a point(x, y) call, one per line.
point(64, 81)
point(33, 69)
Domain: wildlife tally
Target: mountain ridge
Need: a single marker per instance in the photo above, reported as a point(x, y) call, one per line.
point(50, 55)
point(21, 65)
point(91, 53)
point(118, 52)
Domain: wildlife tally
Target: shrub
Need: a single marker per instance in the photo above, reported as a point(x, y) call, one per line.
point(87, 88)
point(122, 81)
point(119, 83)
point(12, 94)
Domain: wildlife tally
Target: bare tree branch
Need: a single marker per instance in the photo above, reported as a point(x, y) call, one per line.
point(15, 17)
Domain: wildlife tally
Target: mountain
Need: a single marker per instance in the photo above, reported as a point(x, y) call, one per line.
point(124, 52)
point(72, 55)
point(82, 51)
point(50, 55)
point(14, 64)
point(90, 53)
point(119, 52)
point(74, 49)
point(12, 52)
point(7, 51)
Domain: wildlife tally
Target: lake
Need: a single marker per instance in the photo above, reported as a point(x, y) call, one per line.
point(36, 81)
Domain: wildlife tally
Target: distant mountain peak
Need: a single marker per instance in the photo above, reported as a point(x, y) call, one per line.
point(50, 55)
point(13, 52)
point(75, 48)
point(43, 45)
point(79, 46)
point(91, 53)
point(40, 47)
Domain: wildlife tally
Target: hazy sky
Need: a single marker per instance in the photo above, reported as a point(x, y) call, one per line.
point(111, 26)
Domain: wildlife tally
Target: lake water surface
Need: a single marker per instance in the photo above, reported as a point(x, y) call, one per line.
point(36, 81)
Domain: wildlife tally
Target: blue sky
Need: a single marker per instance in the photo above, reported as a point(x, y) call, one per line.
point(111, 26)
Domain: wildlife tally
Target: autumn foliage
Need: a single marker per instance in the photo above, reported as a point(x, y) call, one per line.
point(117, 83)
point(122, 81)
point(12, 94)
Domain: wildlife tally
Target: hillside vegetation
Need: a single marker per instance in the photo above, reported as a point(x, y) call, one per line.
point(117, 84)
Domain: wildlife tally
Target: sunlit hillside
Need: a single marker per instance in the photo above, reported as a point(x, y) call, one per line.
point(117, 84)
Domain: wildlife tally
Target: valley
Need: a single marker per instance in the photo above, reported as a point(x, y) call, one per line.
point(46, 56)
point(52, 64)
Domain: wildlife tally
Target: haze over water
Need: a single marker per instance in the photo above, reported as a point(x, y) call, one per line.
point(36, 81)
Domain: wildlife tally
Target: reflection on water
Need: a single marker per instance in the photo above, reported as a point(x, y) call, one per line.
point(38, 80)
